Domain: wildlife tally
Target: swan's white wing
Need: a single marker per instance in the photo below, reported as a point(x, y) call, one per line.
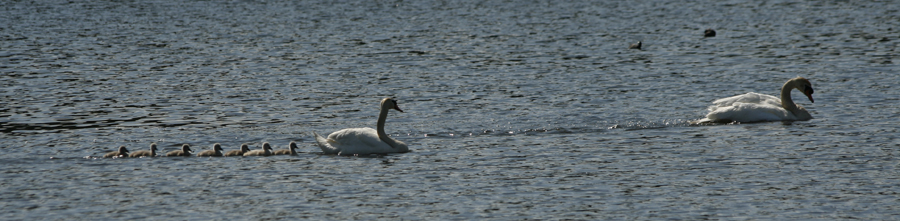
point(749, 112)
point(357, 141)
point(325, 145)
point(749, 107)
point(748, 98)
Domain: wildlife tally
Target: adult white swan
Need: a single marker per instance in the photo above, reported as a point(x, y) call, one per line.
point(754, 107)
point(364, 140)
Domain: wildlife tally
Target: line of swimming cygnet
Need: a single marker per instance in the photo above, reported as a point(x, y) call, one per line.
point(349, 141)
point(217, 151)
point(749, 107)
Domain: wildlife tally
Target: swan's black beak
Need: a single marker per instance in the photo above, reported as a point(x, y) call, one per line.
point(809, 92)
point(397, 108)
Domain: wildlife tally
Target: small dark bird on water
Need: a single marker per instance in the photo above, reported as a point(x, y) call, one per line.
point(122, 152)
point(635, 46)
point(709, 33)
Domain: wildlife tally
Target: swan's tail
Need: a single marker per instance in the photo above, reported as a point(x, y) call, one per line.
point(701, 121)
point(323, 144)
point(707, 121)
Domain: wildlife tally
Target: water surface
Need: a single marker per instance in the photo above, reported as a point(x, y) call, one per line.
point(513, 109)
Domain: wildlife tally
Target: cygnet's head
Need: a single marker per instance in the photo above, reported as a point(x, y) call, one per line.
point(217, 147)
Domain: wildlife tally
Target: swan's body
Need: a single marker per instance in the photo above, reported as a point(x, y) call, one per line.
point(145, 153)
point(265, 151)
point(237, 153)
point(364, 140)
point(184, 152)
point(215, 152)
point(122, 152)
point(292, 150)
point(754, 107)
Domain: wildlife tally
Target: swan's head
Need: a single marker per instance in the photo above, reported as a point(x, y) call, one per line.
point(293, 145)
point(245, 148)
point(186, 148)
point(153, 147)
point(266, 146)
point(804, 86)
point(217, 147)
point(390, 103)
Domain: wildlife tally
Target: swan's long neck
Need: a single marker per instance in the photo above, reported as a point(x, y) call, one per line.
point(786, 102)
point(382, 117)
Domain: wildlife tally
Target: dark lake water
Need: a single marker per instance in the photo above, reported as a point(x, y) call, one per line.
point(513, 109)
